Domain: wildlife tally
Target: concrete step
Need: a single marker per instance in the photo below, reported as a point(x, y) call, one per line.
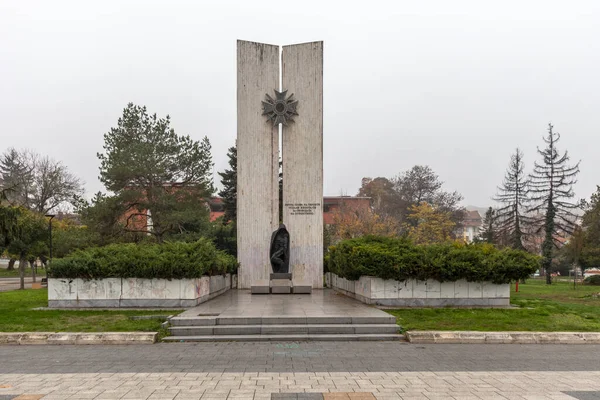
point(285, 338)
point(283, 329)
point(280, 320)
point(193, 321)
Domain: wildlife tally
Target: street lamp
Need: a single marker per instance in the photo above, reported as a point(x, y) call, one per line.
point(50, 236)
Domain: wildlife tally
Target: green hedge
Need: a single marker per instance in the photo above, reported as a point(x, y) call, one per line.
point(399, 259)
point(592, 280)
point(177, 260)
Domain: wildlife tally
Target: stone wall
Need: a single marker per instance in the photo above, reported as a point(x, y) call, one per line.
point(414, 293)
point(135, 292)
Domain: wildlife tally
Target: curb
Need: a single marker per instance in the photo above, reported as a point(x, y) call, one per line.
point(16, 338)
point(474, 337)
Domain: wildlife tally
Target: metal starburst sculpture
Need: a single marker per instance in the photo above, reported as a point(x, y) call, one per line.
point(280, 109)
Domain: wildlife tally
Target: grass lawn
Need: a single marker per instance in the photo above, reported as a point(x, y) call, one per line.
point(538, 307)
point(4, 273)
point(16, 315)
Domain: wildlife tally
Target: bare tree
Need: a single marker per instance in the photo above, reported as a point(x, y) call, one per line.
point(54, 185)
point(37, 182)
point(422, 184)
point(551, 188)
point(514, 195)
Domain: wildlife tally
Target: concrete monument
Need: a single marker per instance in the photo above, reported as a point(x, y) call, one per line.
point(264, 106)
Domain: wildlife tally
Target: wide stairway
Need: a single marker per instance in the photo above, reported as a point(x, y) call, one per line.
point(323, 315)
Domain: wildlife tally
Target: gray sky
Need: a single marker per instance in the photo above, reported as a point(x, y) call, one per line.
point(457, 85)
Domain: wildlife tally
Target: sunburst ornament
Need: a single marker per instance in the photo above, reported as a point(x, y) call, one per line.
point(280, 109)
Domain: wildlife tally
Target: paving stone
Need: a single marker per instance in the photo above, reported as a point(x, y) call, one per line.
point(29, 397)
point(390, 369)
point(310, 396)
point(284, 396)
point(584, 395)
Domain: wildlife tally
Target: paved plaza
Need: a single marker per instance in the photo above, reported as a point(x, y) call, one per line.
point(331, 370)
point(321, 303)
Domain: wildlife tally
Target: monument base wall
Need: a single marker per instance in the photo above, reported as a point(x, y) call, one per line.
point(414, 293)
point(135, 292)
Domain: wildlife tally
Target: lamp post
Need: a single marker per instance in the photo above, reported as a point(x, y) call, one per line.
point(50, 237)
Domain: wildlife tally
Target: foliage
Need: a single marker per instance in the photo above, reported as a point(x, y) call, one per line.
point(68, 236)
point(590, 257)
point(28, 240)
point(351, 220)
point(19, 312)
point(385, 201)
point(488, 232)
point(103, 216)
point(37, 182)
point(229, 191)
point(171, 260)
point(427, 225)
point(8, 225)
point(591, 218)
point(159, 178)
point(421, 184)
point(590, 252)
point(512, 221)
point(393, 198)
point(592, 280)
point(399, 259)
point(224, 236)
point(551, 187)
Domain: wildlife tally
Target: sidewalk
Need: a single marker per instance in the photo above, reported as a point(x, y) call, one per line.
point(7, 284)
point(385, 370)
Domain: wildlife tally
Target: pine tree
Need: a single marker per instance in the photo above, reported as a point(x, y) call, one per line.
point(514, 194)
point(551, 185)
point(158, 177)
point(16, 177)
point(488, 233)
point(229, 182)
point(590, 254)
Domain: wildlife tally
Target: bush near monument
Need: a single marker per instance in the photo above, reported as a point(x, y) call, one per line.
point(399, 259)
point(592, 280)
point(171, 260)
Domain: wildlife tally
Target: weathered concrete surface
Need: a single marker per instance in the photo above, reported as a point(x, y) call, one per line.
point(258, 160)
point(78, 337)
point(135, 292)
point(414, 293)
point(303, 161)
point(474, 337)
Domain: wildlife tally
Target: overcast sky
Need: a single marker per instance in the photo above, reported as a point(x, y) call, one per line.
point(456, 85)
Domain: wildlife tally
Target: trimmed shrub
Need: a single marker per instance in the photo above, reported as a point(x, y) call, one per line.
point(172, 260)
point(399, 259)
point(592, 280)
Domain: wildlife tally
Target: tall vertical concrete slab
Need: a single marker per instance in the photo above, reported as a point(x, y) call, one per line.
point(257, 160)
point(302, 151)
